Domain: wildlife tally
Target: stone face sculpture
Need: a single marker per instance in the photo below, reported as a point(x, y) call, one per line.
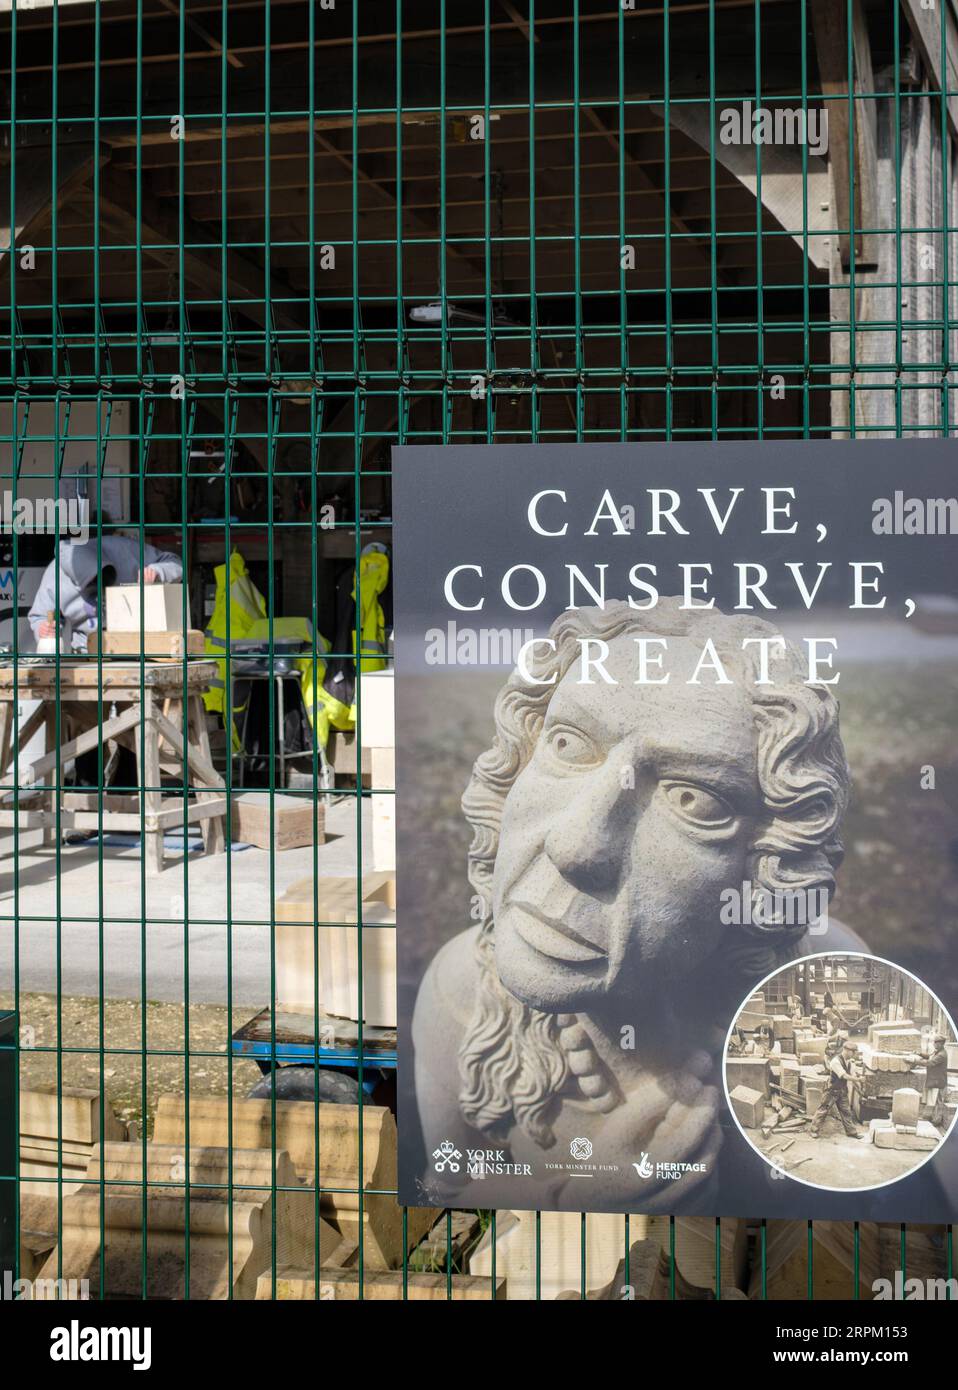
point(593, 998)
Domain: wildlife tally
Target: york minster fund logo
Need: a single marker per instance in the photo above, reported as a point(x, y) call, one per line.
point(581, 1149)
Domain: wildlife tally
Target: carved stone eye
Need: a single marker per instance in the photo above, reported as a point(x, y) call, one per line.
point(697, 805)
point(571, 746)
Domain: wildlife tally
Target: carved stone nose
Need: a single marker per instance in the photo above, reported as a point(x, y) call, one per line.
point(586, 843)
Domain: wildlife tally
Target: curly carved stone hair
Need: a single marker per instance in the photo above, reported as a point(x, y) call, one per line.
point(511, 1063)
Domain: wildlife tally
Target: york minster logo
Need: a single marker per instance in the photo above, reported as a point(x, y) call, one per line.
point(446, 1156)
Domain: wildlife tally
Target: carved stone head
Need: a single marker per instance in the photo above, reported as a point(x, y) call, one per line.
point(608, 819)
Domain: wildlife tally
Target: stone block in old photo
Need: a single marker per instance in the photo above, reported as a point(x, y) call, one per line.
point(886, 1136)
point(814, 1090)
point(905, 1105)
point(751, 1072)
point(896, 1040)
point(791, 1076)
point(749, 1106)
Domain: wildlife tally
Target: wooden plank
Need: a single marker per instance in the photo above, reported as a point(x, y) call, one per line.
point(214, 825)
point(195, 813)
point(202, 768)
point(25, 732)
point(831, 40)
point(79, 674)
point(925, 26)
point(34, 189)
point(124, 803)
point(129, 822)
point(154, 646)
point(148, 772)
point(83, 743)
point(246, 283)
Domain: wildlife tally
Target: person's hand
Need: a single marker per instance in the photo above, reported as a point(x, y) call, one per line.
point(150, 575)
point(46, 629)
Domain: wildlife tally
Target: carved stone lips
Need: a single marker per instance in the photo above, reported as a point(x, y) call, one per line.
point(552, 938)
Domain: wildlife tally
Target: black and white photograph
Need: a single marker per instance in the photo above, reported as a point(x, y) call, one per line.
point(834, 1052)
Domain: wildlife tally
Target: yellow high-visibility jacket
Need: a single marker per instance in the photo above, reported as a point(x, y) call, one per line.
point(370, 648)
point(246, 605)
point(248, 621)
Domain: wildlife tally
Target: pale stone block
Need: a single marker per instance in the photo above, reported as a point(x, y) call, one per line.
point(839, 1250)
point(277, 821)
point(896, 1040)
point(338, 948)
point(791, 1076)
point(876, 1060)
point(695, 1239)
point(162, 608)
point(750, 1019)
point(234, 1200)
point(905, 1106)
point(377, 709)
point(748, 1105)
point(52, 1159)
point(814, 1090)
point(926, 1137)
point(379, 1285)
point(560, 1262)
point(75, 1119)
point(890, 1025)
point(384, 810)
point(339, 1143)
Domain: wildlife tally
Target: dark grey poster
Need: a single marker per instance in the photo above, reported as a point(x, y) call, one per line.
point(677, 816)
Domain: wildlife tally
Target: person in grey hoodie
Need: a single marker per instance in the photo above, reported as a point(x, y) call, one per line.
point(80, 567)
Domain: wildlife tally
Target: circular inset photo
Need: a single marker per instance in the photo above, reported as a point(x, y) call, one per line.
point(840, 1070)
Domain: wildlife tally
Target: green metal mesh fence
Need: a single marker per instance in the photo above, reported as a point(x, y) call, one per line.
point(251, 246)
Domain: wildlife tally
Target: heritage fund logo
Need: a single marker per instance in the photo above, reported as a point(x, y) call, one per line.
point(666, 1172)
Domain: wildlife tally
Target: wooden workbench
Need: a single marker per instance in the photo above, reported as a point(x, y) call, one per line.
point(138, 707)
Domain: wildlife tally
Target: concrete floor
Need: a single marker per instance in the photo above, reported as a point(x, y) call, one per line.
point(203, 886)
